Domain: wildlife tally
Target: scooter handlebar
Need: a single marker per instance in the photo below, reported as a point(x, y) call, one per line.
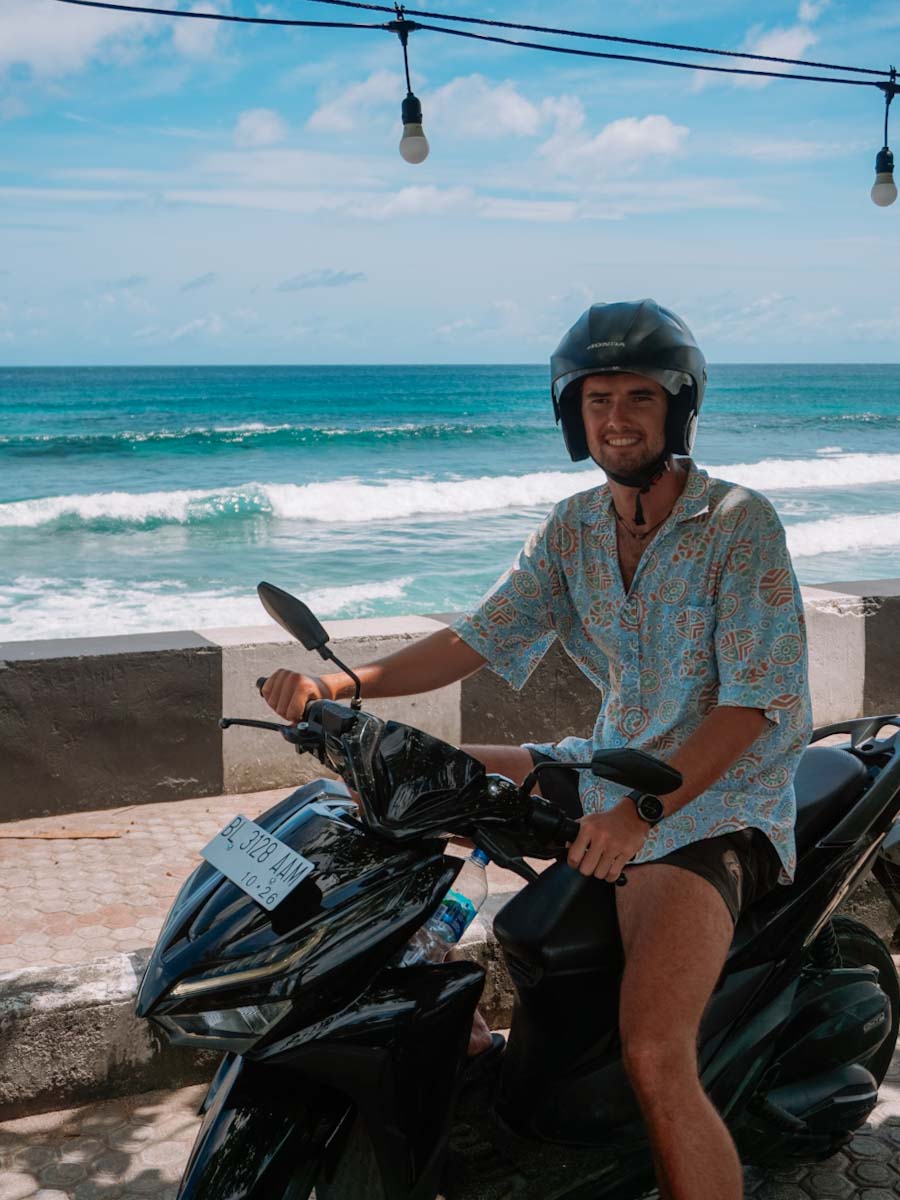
point(557, 827)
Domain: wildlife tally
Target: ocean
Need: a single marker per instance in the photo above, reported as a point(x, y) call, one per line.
point(138, 499)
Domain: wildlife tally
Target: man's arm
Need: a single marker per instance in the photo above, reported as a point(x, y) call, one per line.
point(607, 841)
point(715, 745)
point(432, 662)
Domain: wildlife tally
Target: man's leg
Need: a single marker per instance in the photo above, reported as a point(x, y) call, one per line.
point(676, 931)
point(511, 761)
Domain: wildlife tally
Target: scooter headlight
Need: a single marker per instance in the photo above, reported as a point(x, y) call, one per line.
point(235, 1029)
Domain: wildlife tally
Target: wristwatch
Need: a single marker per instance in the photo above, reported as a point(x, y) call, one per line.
point(649, 808)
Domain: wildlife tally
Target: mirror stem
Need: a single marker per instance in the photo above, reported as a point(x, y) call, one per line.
point(355, 703)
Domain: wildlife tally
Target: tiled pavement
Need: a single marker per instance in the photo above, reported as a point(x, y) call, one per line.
point(135, 1149)
point(67, 901)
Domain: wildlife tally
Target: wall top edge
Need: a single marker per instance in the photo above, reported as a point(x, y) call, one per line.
point(95, 647)
point(872, 589)
point(340, 631)
point(362, 628)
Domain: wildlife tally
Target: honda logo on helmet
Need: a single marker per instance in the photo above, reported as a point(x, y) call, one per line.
point(603, 345)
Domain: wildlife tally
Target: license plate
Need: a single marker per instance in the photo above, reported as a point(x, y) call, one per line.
point(261, 865)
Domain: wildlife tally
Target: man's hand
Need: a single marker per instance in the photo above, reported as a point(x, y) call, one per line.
point(607, 841)
point(289, 693)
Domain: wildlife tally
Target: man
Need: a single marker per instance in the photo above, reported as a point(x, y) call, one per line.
point(674, 594)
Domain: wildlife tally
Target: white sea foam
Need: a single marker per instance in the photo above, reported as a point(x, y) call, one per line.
point(352, 501)
point(32, 607)
point(835, 470)
point(841, 534)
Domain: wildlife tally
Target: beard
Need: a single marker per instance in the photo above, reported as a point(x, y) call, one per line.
point(630, 460)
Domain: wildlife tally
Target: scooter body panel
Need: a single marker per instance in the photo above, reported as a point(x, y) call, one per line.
point(393, 1056)
point(262, 1132)
point(334, 931)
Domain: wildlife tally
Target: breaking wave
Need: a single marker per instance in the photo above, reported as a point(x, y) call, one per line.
point(353, 501)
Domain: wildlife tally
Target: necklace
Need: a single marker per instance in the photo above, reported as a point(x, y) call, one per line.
point(638, 537)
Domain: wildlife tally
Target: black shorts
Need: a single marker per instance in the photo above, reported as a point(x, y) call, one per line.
point(741, 866)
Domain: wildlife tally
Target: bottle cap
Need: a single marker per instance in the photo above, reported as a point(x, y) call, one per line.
point(480, 857)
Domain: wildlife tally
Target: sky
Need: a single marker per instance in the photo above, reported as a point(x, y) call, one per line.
point(184, 191)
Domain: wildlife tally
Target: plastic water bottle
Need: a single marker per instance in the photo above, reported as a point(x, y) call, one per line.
point(453, 916)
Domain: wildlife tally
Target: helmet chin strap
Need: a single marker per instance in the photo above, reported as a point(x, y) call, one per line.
point(643, 480)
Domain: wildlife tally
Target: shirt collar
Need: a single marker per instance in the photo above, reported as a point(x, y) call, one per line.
point(693, 502)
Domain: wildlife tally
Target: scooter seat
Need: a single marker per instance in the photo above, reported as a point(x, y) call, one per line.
point(827, 783)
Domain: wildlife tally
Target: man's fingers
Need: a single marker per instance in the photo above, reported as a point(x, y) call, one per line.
point(612, 868)
point(579, 847)
point(592, 856)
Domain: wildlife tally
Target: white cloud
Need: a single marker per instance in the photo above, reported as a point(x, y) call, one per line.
point(346, 111)
point(744, 321)
point(259, 127)
point(786, 149)
point(469, 105)
point(623, 145)
point(501, 208)
point(418, 201)
point(197, 38)
point(211, 325)
point(811, 10)
point(791, 41)
point(54, 39)
point(783, 43)
point(323, 277)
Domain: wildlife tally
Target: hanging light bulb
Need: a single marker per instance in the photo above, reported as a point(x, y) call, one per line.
point(414, 144)
point(884, 190)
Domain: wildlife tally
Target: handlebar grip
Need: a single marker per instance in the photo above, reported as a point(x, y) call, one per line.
point(259, 683)
point(569, 830)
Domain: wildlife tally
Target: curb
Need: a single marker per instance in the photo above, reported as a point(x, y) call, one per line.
point(69, 1036)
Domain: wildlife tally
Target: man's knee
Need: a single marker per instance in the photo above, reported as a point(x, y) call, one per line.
point(655, 1055)
point(512, 761)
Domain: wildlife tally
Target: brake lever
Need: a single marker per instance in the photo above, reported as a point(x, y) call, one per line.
point(227, 722)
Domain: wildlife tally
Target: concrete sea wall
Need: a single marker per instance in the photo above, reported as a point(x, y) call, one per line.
point(90, 723)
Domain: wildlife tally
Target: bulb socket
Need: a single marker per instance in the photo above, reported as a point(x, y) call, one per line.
point(884, 162)
point(411, 111)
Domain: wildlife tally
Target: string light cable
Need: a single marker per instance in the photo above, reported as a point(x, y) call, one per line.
point(414, 145)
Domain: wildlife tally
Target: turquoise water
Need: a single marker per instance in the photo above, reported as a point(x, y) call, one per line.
point(151, 498)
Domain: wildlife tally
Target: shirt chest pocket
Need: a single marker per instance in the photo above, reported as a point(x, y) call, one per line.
point(690, 641)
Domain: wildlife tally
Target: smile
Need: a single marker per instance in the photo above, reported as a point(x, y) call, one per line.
point(622, 441)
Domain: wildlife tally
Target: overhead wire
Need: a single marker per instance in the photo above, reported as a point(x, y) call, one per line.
point(601, 37)
point(660, 62)
point(207, 16)
point(401, 15)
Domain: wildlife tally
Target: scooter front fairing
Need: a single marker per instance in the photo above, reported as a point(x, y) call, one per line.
point(392, 1058)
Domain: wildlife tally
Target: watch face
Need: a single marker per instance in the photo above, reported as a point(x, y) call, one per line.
point(650, 808)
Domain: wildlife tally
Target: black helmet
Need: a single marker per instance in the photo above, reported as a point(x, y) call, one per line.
point(637, 336)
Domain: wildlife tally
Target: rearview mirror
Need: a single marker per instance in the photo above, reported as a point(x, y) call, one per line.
point(293, 615)
point(635, 769)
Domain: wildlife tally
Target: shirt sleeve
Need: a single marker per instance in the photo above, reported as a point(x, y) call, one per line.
point(513, 627)
point(760, 639)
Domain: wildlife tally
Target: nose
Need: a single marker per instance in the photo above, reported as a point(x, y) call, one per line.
point(617, 414)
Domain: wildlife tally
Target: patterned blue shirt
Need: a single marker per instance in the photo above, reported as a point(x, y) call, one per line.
point(713, 617)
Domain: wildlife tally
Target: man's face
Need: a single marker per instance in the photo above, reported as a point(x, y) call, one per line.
point(624, 420)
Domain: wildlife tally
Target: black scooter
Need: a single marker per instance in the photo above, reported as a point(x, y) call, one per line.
point(345, 1071)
